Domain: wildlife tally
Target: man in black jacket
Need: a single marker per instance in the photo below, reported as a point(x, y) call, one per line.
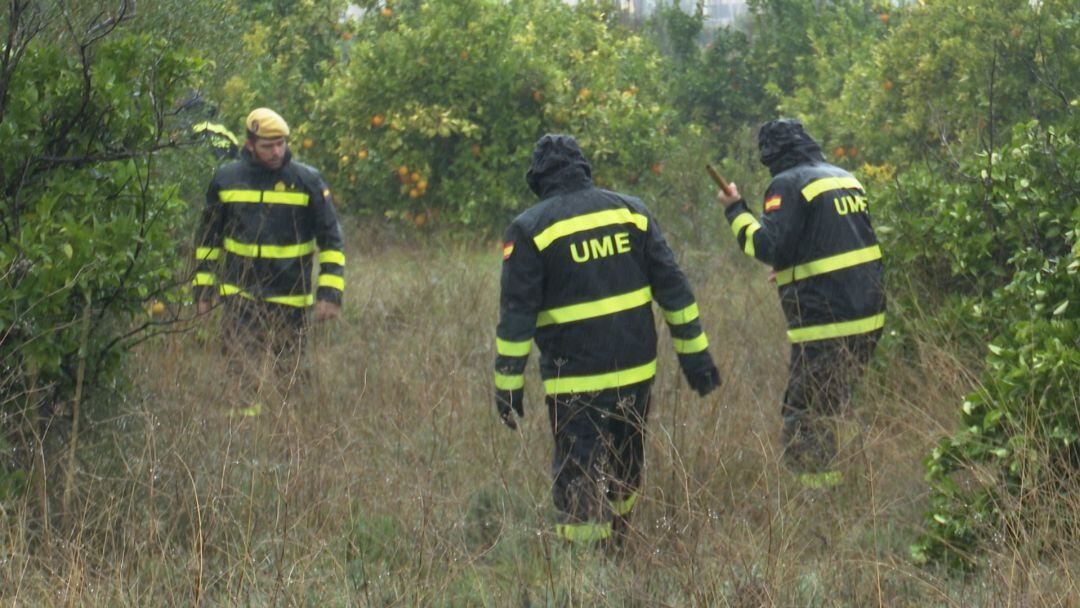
point(580, 272)
point(815, 232)
point(266, 218)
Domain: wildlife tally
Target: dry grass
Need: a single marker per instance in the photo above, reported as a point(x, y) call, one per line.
point(391, 482)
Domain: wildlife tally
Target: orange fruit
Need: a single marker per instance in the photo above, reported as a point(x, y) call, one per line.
point(414, 193)
point(584, 93)
point(420, 220)
point(377, 121)
point(852, 152)
point(887, 85)
point(403, 171)
point(464, 55)
point(308, 143)
point(421, 185)
point(839, 152)
point(415, 177)
point(386, 11)
point(157, 308)
point(537, 96)
point(884, 17)
point(362, 154)
point(657, 168)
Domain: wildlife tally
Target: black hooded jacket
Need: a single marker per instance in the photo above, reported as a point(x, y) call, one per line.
point(581, 270)
point(815, 232)
point(260, 231)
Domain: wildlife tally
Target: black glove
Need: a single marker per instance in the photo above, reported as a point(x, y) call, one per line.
point(705, 380)
point(507, 402)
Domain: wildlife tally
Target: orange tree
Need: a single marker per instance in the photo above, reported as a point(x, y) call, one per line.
point(437, 107)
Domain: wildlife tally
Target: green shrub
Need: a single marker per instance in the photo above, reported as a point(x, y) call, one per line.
point(88, 260)
point(1020, 427)
point(439, 105)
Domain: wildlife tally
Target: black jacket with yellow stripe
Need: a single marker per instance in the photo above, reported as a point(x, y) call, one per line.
point(581, 270)
point(815, 232)
point(261, 229)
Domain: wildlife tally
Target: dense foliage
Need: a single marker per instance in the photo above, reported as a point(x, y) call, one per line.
point(87, 251)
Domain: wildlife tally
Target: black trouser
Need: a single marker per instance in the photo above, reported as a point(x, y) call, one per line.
point(254, 331)
point(598, 458)
point(820, 381)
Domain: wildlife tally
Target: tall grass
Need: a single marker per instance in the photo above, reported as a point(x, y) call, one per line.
point(389, 480)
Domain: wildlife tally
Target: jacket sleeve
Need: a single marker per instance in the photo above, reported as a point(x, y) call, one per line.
point(331, 245)
point(208, 245)
point(519, 302)
point(672, 292)
point(774, 238)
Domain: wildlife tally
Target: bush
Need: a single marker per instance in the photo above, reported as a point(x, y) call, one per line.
point(440, 103)
point(1020, 427)
point(88, 257)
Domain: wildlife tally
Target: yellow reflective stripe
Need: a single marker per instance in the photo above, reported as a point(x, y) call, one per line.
point(583, 533)
point(827, 479)
point(269, 251)
point(682, 317)
point(741, 221)
point(207, 253)
point(504, 382)
point(837, 330)
point(263, 196)
point(215, 128)
point(332, 280)
point(596, 308)
point(239, 196)
point(286, 198)
point(228, 289)
point(203, 278)
point(588, 221)
point(623, 507)
point(829, 264)
point(693, 345)
point(301, 300)
point(329, 256)
point(748, 247)
point(816, 187)
point(599, 382)
point(513, 349)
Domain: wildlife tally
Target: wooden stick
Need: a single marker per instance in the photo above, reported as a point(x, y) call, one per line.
point(720, 181)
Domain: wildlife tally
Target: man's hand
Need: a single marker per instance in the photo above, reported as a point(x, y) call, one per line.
point(203, 306)
point(324, 311)
point(704, 381)
point(509, 402)
point(728, 200)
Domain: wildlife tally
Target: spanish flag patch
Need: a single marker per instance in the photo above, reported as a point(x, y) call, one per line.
point(508, 248)
point(772, 203)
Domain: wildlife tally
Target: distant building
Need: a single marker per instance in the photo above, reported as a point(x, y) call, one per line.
point(717, 13)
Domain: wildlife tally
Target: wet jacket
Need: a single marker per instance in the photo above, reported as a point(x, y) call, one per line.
point(580, 273)
point(261, 231)
point(815, 232)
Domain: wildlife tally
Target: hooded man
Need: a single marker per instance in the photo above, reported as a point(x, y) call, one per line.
point(266, 219)
point(580, 272)
point(815, 232)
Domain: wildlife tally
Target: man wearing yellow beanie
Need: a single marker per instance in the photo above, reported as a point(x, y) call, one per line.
point(266, 221)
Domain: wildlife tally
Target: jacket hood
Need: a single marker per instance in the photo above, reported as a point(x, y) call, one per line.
point(558, 166)
point(784, 144)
